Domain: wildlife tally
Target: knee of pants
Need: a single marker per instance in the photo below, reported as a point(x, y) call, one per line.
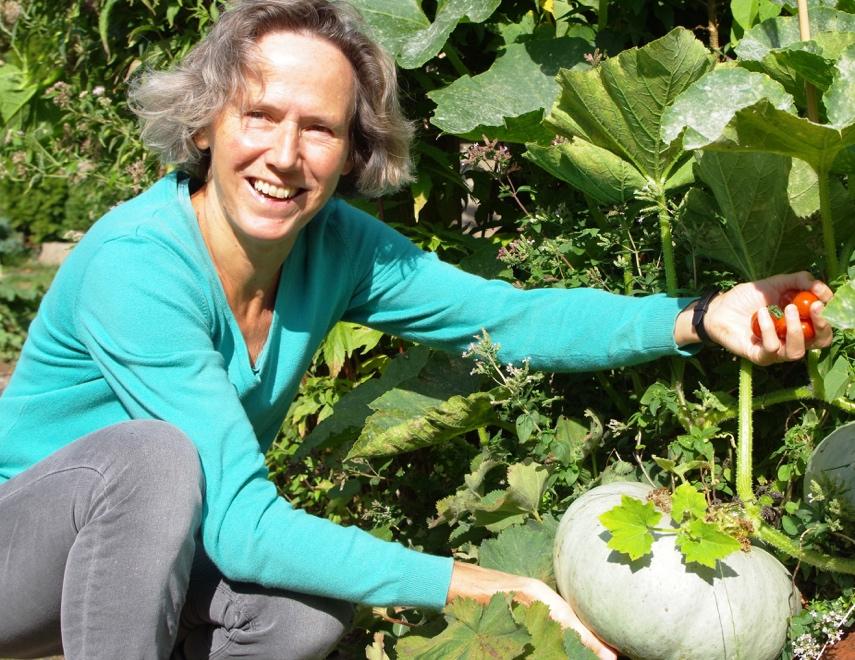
point(294, 627)
point(153, 464)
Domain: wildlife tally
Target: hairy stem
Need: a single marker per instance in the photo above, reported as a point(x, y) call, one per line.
point(832, 268)
point(667, 245)
point(786, 395)
point(788, 546)
point(744, 443)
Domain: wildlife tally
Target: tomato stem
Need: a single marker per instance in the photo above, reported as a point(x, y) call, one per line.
point(744, 443)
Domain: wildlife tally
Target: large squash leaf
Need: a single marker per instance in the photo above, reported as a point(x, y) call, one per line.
point(603, 175)
point(748, 224)
point(775, 48)
point(404, 30)
point(840, 312)
point(474, 632)
point(521, 81)
point(768, 124)
point(779, 33)
point(618, 105)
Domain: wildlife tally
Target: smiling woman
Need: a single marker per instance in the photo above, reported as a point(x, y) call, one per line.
point(171, 343)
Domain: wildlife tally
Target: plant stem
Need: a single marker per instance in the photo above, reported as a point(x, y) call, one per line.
point(785, 395)
point(667, 245)
point(712, 25)
point(788, 546)
point(831, 267)
point(603, 15)
point(744, 443)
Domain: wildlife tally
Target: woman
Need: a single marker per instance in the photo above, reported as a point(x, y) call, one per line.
point(138, 519)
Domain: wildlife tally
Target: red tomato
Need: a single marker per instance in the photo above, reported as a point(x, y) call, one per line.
point(755, 326)
point(787, 297)
point(803, 300)
point(807, 330)
point(780, 326)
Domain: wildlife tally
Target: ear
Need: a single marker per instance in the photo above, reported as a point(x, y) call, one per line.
point(201, 140)
point(347, 168)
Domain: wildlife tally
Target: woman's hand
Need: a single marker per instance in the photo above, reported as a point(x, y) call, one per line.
point(728, 320)
point(481, 584)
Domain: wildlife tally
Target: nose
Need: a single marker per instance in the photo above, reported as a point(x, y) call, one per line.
point(284, 150)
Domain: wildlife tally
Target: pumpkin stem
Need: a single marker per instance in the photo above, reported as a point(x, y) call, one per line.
point(785, 544)
point(744, 443)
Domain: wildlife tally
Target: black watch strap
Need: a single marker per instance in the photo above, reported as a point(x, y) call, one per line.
point(699, 313)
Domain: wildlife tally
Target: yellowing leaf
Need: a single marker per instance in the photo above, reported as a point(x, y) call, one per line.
point(474, 631)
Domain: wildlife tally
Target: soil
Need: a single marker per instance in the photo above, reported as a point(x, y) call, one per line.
point(843, 650)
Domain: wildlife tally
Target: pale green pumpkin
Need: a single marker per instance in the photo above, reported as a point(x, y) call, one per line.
point(832, 466)
point(660, 608)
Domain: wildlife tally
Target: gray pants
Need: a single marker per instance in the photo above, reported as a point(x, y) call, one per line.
point(97, 548)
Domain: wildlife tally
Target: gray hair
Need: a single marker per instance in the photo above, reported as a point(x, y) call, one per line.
point(174, 105)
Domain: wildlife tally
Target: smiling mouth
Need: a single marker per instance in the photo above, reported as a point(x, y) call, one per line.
point(274, 191)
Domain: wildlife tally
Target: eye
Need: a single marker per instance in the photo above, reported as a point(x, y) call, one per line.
point(256, 114)
point(320, 128)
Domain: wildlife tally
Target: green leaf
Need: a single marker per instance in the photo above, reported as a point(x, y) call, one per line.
point(629, 524)
point(500, 509)
point(840, 98)
point(836, 379)
point(474, 632)
point(747, 124)
point(405, 421)
point(548, 640)
point(778, 33)
point(104, 24)
point(601, 174)
point(687, 500)
point(522, 550)
point(703, 543)
point(15, 91)
point(618, 105)
point(404, 30)
point(691, 110)
point(840, 312)
point(748, 224)
point(343, 341)
point(521, 81)
point(351, 411)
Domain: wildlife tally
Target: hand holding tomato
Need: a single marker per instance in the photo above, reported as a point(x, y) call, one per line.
point(732, 314)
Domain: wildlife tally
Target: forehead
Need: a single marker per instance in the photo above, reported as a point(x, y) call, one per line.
point(297, 67)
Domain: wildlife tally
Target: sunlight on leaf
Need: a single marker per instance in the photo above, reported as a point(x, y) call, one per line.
point(630, 524)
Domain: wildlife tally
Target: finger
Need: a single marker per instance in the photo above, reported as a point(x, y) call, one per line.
point(771, 342)
point(794, 348)
point(822, 328)
point(821, 290)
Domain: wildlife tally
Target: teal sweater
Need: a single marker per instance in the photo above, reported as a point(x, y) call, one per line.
point(136, 326)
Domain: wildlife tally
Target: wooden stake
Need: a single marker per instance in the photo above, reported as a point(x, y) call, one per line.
point(804, 35)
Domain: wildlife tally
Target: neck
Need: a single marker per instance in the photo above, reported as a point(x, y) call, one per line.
point(249, 273)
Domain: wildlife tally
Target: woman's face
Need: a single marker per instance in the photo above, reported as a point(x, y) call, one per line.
point(277, 158)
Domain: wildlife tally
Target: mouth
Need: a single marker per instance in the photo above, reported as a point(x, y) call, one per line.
point(274, 191)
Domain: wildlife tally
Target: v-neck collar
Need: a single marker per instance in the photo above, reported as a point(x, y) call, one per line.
point(249, 369)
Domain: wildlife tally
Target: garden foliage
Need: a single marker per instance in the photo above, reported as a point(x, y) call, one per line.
point(638, 146)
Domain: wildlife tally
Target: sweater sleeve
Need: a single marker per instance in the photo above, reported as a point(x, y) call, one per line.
point(142, 314)
point(411, 293)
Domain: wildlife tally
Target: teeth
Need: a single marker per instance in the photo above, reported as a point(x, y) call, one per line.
point(272, 190)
